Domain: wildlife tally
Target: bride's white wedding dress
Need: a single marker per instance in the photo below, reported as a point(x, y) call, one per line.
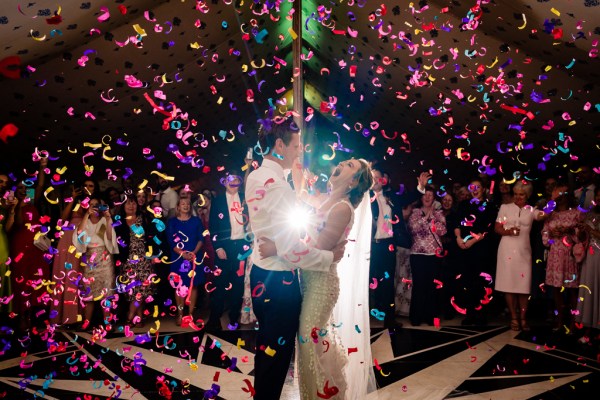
point(321, 357)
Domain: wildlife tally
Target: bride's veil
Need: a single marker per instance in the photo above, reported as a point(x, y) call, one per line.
point(352, 308)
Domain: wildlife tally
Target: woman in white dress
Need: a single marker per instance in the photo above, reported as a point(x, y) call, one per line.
point(327, 366)
point(96, 239)
point(514, 266)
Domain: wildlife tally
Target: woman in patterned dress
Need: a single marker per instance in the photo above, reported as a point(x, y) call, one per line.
point(426, 226)
point(136, 266)
point(559, 234)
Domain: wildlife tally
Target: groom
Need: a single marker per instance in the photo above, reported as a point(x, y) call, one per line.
point(274, 280)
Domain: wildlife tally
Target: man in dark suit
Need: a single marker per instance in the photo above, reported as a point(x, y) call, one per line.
point(228, 218)
point(389, 230)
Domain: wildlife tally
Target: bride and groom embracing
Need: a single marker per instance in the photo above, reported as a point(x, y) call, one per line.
point(327, 305)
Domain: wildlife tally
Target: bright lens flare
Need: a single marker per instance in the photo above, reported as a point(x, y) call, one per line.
point(298, 218)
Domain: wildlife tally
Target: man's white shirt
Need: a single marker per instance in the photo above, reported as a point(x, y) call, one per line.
point(270, 201)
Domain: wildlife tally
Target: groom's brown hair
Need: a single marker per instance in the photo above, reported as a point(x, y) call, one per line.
point(278, 128)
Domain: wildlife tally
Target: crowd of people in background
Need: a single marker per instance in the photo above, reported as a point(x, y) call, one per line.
point(469, 246)
point(438, 251)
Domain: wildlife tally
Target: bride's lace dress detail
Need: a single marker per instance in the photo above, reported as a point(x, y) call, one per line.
point(321, 357)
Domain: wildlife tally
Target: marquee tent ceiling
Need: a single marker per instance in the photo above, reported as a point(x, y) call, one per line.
point(451, 86)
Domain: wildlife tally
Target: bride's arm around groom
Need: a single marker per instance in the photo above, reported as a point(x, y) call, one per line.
point(274, 280)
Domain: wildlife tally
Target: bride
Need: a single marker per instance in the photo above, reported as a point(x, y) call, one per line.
point(334, 353)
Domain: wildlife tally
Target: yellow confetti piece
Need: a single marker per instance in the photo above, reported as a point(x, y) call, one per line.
point(292, 33)
point(417, 31)
point(240, 343)
point(548, 68)
point(50, 189)
point(39, 39)
point(79, 318)
point(107, 158)
point(101, 295)
point(524, 22)
point(555, 11)
point(139, 30)
point(220, 100)
point(155, 314)
point(572, 122)
point(61, 171)
point(165, 177)
point(152, 330)
point(92, 145)
point(143, 184)
point(494, 63)
point(381, 372)
point(269, 351)
point(244, 68)
point(195, 45)
point(262, 64)
point(332, 156)
point(7, 274)
point(588, 289)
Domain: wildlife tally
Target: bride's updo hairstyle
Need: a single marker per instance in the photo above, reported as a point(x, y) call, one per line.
point(364, 180)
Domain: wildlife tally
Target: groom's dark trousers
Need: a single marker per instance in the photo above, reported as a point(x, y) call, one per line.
point(277, 309)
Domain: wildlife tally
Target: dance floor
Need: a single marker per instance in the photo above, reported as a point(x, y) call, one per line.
point(490, 362)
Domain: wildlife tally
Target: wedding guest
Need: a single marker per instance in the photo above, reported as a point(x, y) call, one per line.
point(28, 266)
point(7, 198)
point(202, 206)
point(142, 199)
point(588, 306)
point(389, 231)
point(96, 239)
point(136, 268)
point(504, 193)
point(228, 216)
point(112, 198)
point(184, 234)
point(66, 264)
point(549, 185)
point(514, 265)
point(473, 236)
point(403, 278)
point(167, 196)
point(426, 226)
point(449, 267)
point(157, 240)
point(562, 272)
point(585, 193)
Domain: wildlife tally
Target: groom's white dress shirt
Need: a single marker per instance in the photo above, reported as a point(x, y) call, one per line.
point(270, 201)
